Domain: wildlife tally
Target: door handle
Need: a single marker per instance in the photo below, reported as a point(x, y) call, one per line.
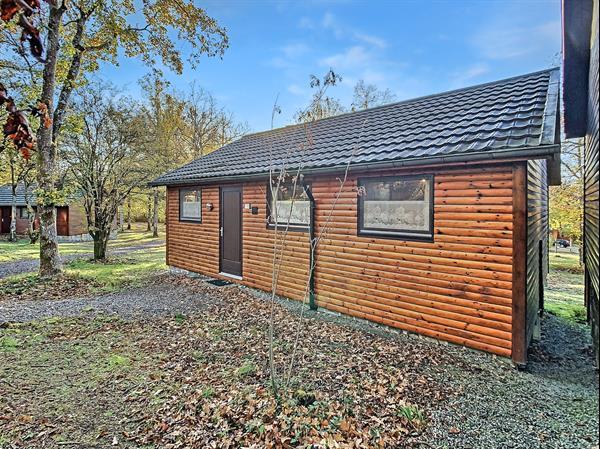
point(221, 231)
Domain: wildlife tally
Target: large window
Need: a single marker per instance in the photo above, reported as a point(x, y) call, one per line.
point(190, 204)
point(292, 207)
point(396, 206)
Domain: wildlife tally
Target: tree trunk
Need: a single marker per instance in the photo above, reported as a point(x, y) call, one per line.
point(129, 213)
point(121, 219)
point(100, 244)
point(155, 214)
point(31, 232)
point(50, 263)
point(13, 221)
point(149, 214)
point(13, 210)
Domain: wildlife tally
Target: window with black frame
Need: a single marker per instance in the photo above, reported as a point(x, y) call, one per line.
point(190, 204)
point(396, 207)
point(290, 207)
point(23, 213)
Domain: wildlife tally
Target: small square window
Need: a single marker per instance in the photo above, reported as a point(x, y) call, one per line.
point(396, 207)
point(23, 213)
point(190, 205)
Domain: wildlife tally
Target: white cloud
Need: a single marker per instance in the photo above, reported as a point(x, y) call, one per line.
point(463, 77)
point(329, 22)
point(352, 58)
point(506, 41)
point(306, 23)
point(371, 40)
point(295, 89)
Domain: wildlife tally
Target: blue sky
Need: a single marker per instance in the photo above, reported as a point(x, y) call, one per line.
point(413, 48)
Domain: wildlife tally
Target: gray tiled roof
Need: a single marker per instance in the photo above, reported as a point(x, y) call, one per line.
point(481, 122)
point(6, 195)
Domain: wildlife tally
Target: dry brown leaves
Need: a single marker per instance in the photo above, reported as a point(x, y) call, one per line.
point(202, 381)
point(351, 389)
point(33, 288)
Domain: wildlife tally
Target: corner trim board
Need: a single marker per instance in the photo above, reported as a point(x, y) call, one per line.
point(519, 291)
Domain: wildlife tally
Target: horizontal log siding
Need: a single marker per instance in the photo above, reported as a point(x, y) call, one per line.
point(457, 288)
point(258, 249)
point(194, 246)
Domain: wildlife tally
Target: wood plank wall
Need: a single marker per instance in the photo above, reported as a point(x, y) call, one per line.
point(194, 246)
point(457, 288)
point(537, 237)
point(591, 194)
point(77, 221)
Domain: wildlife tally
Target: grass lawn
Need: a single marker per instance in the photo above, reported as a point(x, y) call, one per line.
point(84, 276)
point(22, 250)
point(564, 295)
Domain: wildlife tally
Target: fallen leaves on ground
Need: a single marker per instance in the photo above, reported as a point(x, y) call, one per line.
point(35, 288)
point(203, 381)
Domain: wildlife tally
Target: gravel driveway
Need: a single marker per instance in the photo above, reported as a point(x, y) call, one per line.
point(155, 299)
point(30, 265)
point(551, 404)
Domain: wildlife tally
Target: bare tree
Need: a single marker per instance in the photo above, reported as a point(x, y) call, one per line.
point(155, 212)
point(149, 213)
point(321, 105)
point(129, 212)
point(572, 151)
point(285, 177)
point(104, 159)
point(202, 116)
point(368, 96)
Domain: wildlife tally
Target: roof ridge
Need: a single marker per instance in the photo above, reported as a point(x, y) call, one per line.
point(407, 101)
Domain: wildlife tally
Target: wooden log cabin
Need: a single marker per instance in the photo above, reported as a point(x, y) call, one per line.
point(70, 217)
point(582, 116)
point(440, 227)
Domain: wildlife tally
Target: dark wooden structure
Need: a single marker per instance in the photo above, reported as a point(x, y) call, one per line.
point(580, 53)
point(472, 268)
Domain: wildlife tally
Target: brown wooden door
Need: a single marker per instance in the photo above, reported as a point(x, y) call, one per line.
point(62, 220)
point(231, 230)
point(5, 220)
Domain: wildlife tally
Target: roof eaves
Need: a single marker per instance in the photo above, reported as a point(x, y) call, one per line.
point(537, 152)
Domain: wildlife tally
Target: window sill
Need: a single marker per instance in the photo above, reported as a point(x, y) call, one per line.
point(293, 228)
point(397, 236)
point(190, 220)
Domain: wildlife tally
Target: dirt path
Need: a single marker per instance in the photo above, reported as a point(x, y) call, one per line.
point(31, 265)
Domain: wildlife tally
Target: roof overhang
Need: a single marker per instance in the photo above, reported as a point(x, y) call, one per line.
point(551, 152)
point(576, 33)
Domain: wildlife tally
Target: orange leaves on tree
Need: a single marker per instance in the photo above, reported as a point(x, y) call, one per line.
point(25, 8)
point(16, 128)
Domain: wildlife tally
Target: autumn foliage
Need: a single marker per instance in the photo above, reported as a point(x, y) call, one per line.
point(17, 128)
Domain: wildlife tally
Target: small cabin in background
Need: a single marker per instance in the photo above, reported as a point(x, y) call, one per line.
point(70, 218)
point(431, 214)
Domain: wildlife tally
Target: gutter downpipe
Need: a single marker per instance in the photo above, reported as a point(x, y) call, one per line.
point(312, 303)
